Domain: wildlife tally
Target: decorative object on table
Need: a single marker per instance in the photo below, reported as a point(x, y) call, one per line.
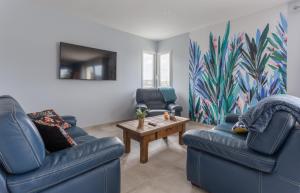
point(152, 124)
point(141, 114)
point(166, 116)
point(172, 116)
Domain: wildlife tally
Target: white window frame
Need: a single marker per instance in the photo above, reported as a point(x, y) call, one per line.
point(158, 68)
point(154, 67)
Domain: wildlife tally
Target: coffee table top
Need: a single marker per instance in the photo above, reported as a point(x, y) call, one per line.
point(132, 126)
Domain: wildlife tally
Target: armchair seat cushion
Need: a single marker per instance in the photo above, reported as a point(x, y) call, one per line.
point(84, 139)
point(76, 132)
point(67, 164)
point(228, 146)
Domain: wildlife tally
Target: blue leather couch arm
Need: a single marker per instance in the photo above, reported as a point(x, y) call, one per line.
point(67, 164)
point(141, 106)
point(174, 107)
point(70, 119)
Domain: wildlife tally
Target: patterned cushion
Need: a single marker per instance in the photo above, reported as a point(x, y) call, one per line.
point(239, 128)
point(55, 138)
point(50, 118)
point(52, 130)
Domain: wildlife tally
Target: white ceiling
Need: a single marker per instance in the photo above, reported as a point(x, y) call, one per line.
point(160, 19)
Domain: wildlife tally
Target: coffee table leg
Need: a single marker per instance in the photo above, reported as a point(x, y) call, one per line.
point(126, 139)
point(144, 150)
point(181, 132)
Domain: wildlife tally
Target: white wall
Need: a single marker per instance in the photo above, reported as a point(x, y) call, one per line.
point(29, 37)
point(179, 47)
point(293, 68)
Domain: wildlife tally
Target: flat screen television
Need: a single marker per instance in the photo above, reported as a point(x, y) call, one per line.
point(84, 63)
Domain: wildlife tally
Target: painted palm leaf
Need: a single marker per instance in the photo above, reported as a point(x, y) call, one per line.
point(216, 86)
point(255, 60)
point(195, 69)
point(278, 49)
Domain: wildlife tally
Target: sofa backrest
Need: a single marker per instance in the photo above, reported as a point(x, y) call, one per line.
point(275, 134)
point(152, 97)
point(21, 146)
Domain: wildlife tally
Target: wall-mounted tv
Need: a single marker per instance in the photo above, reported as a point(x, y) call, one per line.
point(84, 63)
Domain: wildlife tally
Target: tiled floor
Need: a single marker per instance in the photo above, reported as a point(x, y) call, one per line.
point(165, 170)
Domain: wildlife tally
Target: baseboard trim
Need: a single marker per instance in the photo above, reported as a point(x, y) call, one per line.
point(106, 124)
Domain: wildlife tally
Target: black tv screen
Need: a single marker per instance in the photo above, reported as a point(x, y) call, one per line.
point(83, 63)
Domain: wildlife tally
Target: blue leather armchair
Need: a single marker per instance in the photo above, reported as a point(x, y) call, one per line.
point(221, 161)
point(90, 167)
point(151, 100)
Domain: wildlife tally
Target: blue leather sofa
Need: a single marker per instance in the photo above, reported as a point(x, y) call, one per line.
point(151, 100)
point(221, 161)
point(93, 166)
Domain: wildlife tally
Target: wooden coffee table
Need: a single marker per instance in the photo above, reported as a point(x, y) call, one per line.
point(149, 133)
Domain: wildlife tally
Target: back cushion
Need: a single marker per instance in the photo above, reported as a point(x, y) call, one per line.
point(151, 97)
point(21, 147)
point(272, 138)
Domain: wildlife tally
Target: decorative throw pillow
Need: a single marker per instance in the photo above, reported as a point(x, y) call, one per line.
point(49, 117)
point(239, 128)
point(55, 138)
point(52, 130)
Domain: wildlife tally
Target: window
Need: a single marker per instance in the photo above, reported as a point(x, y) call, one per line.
point(156, 73)
point(148, 70)
point(164, 72)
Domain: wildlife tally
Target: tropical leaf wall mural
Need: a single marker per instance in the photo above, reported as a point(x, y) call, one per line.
point(236, 71)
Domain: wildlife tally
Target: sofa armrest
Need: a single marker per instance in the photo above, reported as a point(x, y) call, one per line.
point(67, 164)
point(174, 107)
point(142, 106)
point(232, 118)
point(70, 119)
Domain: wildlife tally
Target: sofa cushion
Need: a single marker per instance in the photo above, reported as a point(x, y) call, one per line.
point(55, 138)
point(84, 139)
point(76, 132)
point(232, 118)
point(152, 97)
point(144, 95)
point(156, 105)
point(49, 117)
point(19, 139)
point(228, 146)
point(275, 134)
point(240, 128)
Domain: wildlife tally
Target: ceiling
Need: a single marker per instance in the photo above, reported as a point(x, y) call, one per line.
point(160, 19)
